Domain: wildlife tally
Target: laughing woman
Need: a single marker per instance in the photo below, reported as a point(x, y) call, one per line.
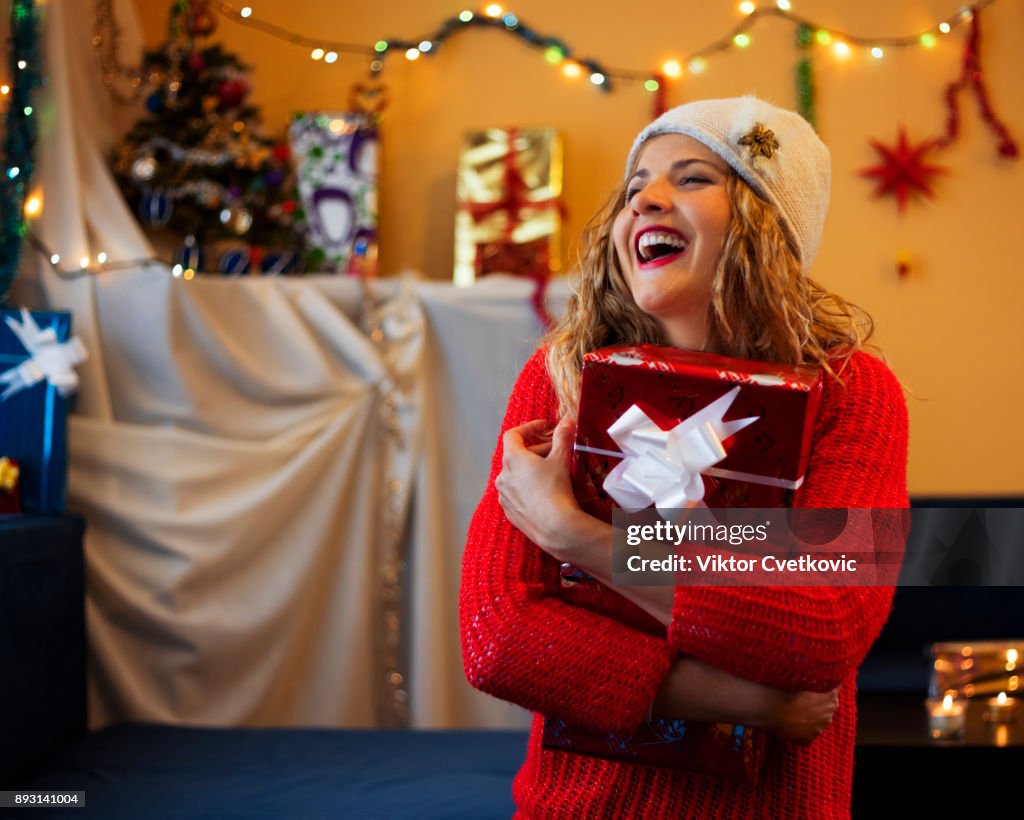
point(707, 246)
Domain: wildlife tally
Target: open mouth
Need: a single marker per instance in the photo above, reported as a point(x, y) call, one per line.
point(657, 245)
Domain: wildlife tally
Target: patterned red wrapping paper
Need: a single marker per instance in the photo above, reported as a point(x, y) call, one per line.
point(669, 385)
point(721, 750)
point(765, 462)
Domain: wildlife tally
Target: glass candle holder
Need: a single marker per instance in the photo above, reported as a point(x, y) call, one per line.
point(946, 718)
point(1001, 709)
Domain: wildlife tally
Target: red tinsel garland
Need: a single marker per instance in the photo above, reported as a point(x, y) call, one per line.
point(972, 76)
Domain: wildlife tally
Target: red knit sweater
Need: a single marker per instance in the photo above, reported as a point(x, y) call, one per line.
point(600, 666)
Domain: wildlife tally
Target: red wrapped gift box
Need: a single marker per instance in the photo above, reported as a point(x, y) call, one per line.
point(745, 428)
point(721, 750)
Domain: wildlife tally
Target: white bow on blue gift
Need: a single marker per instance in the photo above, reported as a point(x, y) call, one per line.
point(663, 467)
point(49, 358)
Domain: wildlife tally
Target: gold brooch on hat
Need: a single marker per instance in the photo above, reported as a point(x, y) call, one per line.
point(760, 141)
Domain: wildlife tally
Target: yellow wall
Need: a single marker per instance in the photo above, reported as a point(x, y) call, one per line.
point(952, 330)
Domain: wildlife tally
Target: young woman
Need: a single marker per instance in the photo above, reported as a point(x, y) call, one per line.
point(707, 246)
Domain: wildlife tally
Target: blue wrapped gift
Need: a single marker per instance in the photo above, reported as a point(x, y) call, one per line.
point(36, 381)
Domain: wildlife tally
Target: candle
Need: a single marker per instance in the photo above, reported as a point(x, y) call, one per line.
point(1001, 709)
point(946, 718)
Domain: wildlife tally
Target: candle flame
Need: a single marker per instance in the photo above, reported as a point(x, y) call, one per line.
point(947, 702)
point(1002, 698)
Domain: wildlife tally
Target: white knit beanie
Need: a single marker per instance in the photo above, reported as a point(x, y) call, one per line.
point(775, 151)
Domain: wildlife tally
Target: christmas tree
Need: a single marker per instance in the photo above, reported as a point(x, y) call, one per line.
point(198, 163)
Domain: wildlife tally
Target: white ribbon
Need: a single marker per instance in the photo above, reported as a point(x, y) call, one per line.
point(663, 467)
point(49, 358)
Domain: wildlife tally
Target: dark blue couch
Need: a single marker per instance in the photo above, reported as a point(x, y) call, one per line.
point(137, 771)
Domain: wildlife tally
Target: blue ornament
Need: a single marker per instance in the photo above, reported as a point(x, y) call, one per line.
point(234, 263)
point(190, 255)
point(154, 104)
point(155, 208)
point(274, 264)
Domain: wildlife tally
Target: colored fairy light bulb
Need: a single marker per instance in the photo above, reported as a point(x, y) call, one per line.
point(553, 54)
point(33, 205)
point(747, 7)
point(317, 53)
point(652, 85)
point(928, 39)
point(742, 40)
point(672, 68)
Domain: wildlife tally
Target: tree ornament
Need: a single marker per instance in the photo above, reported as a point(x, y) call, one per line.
point(274, 264)
point(231, 93)
point(155, 208)
point(143, 168)
point(199, 21)
point(190, 254)
point(234, 262)
point(196, 61)
point(154, 103)
point(903, 170)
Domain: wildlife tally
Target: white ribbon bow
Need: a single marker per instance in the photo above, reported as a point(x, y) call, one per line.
point(663, 467)
point(48, 359)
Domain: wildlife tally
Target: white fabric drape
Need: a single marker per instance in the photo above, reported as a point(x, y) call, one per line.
point(277, 474)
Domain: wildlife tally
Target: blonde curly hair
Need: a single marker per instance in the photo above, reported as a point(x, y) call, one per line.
point(761, 307)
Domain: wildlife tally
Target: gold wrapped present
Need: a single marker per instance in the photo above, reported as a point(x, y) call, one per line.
point(509, 214)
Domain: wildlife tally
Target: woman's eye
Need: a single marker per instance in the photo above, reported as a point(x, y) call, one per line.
point(695, 180)
point(631, 192)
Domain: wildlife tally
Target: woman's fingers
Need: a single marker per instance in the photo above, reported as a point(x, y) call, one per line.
point(562, 438)
point(533, 432)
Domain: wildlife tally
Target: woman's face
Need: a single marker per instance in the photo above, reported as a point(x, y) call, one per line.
point(669, 234)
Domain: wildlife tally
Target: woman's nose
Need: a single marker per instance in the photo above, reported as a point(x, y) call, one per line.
point(652, 198)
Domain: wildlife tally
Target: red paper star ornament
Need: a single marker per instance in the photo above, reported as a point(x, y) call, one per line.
point(903, 169)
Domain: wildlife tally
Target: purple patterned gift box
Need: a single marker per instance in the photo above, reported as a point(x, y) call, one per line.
point(336, 163)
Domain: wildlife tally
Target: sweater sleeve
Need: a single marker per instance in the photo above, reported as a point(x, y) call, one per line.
point(519, 641)
point(813, 638)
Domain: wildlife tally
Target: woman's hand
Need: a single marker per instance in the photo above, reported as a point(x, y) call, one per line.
point(802, 716)
point(534, 488)
point(695, 690)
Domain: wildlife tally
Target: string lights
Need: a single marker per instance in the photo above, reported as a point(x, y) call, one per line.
point(842, 44)
point(19, 138)
point(25, 76)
